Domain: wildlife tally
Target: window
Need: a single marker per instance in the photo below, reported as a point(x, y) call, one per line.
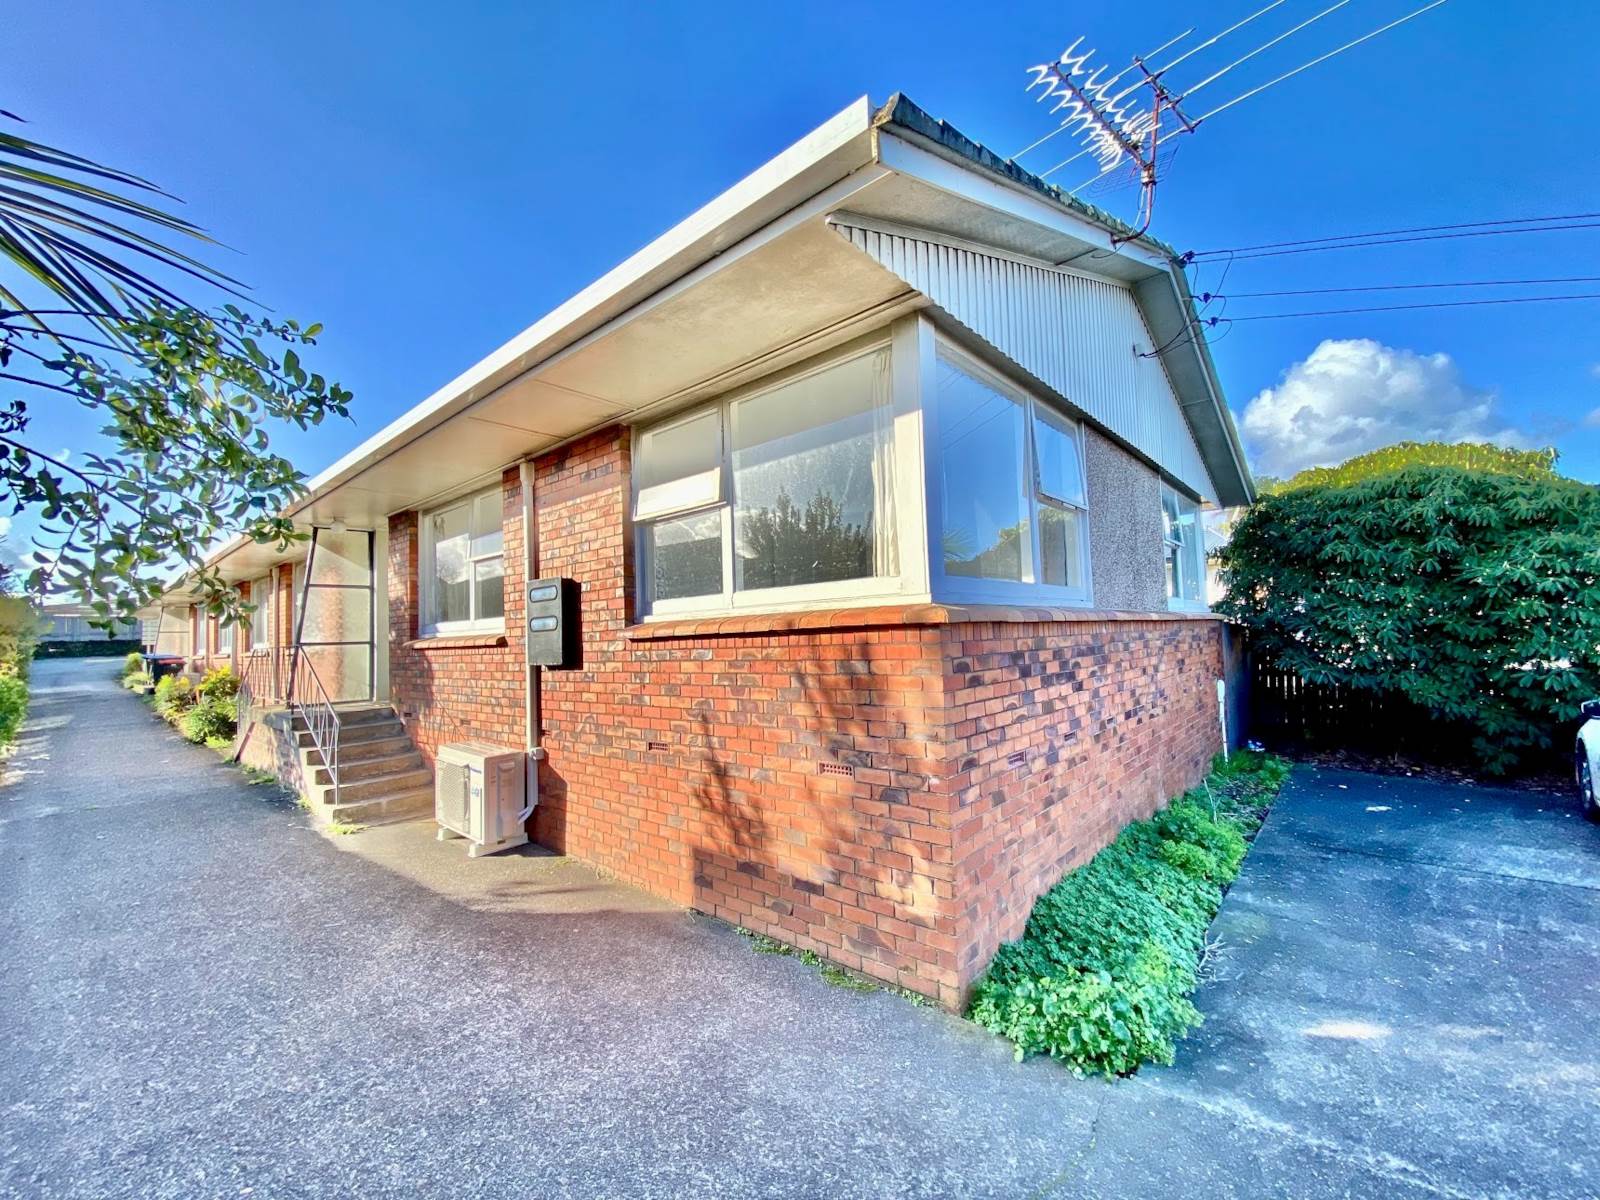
point(224, 638)
point(261, 619)
point(1185, 552)
point(1010, 484)
point(464, 565)
point(783, 493)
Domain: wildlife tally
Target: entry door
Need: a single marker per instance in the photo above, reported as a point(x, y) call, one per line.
point(335, 620)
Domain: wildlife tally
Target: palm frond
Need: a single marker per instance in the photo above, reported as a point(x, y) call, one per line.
point(69, 226)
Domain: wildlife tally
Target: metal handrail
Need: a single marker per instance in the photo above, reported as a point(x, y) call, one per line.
point(259, 680)
point(309, 701)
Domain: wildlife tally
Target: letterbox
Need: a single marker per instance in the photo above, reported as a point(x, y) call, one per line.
point(553, 624)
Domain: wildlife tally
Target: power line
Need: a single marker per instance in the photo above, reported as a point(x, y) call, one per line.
point(1376, 233)
point(1406, 287)
point(1255, 91)
point(1323, 58)
point(1335, 312)
point(1432, 237)
point(1212, 78)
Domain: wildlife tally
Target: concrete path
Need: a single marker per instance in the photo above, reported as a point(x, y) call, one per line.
point(202, 996)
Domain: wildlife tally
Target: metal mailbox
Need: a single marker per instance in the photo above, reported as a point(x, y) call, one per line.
point(553, 624)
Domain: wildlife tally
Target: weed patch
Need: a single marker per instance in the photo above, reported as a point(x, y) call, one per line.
point(1102, 975)
point(835, 975)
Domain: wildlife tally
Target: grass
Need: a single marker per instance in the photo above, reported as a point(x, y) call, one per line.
point(344, 828)
point(1102, 976)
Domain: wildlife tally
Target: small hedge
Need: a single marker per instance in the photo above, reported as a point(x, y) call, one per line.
point(13, 706)
point(207, 712)
point(1102, 975)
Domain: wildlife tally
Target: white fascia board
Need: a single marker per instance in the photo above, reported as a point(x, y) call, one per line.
point(757, 198)
point(964, 179)
point(779, 185)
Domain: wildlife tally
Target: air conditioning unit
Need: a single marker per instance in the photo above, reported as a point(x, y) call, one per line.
point(479, 794)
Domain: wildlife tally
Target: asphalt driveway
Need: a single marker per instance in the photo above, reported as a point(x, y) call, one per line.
point(202, 996)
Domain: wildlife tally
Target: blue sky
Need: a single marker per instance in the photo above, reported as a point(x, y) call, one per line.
point(427, 180)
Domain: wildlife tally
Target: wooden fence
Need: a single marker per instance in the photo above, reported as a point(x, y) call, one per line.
point(1287, 713)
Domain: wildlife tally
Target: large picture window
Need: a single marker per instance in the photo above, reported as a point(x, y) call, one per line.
point(1183, 542)
point(463, 568)
point(781, 493)
point(1011, 487)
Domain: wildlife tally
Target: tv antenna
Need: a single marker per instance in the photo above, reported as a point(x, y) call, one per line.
point(1116, 127)
point(1129, 125)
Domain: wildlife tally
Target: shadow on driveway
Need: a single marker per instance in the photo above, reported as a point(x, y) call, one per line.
point(203, 995)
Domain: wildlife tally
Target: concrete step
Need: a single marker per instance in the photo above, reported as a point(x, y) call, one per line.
point(354, 752)
point(355, 735)
point(362, 715)
point(373, 786)
point(400, 762)
point(380, 810)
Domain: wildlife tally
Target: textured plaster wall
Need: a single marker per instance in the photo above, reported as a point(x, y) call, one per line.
point(1125, 555)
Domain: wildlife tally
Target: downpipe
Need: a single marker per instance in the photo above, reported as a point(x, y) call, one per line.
point(533, 735)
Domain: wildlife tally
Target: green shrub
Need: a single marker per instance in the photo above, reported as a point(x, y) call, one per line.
point(133, 665)
point(174, 695)
point(211, 719)
point(219, 684)
point(1101, 977)
point(13, 707)
point(1473, 593)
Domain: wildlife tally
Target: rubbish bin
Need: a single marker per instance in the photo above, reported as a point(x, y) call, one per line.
point(159, 665)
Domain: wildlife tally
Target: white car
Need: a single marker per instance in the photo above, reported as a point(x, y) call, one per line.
point(1586, 761)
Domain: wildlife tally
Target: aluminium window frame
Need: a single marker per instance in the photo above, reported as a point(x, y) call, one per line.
point(1180, 603)
point(792, 597)
point(262, 597)
point(965, 589)
point(427, 599)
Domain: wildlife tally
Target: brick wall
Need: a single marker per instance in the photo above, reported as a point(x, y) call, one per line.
point(1062, 734)
point(457, 689)
point(841, 781)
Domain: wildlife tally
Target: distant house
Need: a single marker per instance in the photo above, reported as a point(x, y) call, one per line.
point(879, 478)
point(67, 622)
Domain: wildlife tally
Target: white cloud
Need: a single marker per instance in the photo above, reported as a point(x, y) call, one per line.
point(1593, 419)
point(1354, 395)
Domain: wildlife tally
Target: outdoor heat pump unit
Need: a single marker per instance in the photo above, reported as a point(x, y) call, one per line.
point(479, 793)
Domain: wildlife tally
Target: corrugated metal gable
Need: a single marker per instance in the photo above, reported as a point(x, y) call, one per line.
point(1074, 333)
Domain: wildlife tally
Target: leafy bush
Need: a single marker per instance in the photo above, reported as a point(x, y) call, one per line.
point(133, 665)
point(13, 707)
point(1473, 593)
point(219, 684)
point(212, 719)
point(174, 695)
point(1101, 977)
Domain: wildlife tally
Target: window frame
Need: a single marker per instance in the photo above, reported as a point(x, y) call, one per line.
point(1181, 603)
point(428, 624)
point(261, 619)
point(792, 596)
point(1029, 590)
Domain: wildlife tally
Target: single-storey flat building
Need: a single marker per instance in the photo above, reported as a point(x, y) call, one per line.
point(878, 478)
